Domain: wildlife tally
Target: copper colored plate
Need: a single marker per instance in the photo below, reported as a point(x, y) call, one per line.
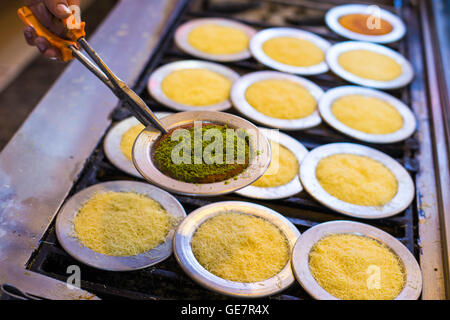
point(259, 148)
point(333, 15)
point(409, 121)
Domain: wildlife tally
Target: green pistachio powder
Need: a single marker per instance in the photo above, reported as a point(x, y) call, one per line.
point(177, 154)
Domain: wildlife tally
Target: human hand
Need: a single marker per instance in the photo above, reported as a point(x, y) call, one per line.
point(49, 13)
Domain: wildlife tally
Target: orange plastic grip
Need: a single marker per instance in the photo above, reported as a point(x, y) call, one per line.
point(63, 45)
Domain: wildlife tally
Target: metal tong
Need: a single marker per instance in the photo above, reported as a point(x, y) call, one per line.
point(71, 49)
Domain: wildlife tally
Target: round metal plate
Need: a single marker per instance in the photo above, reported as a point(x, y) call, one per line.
point(112, 141)
point(304, 244)
point(336, 50)
point(259, 38)
point(186, 259)
point(402, 199)
point(333, 15)
point(68, 240)
point(291, 188)
point(409, 121)
point(238, 97)
point(181, 39)
point(258, 142)
point(156, 78)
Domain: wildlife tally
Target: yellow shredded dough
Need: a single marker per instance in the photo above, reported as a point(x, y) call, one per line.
point(293, 51)
point(196, 87)
point(356, 179)
point(353, 267)
point(282, 99)
point(282, 169)
point(217, 39)
point(370, 65)
point(367, 114)
point(121, 223)
point(240, 247)
point(128, 138)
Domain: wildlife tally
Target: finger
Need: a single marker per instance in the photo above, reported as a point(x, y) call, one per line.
point(47, 19)
point(42, 44)
point(52, 53)
point(30, 35)
point(59, 8)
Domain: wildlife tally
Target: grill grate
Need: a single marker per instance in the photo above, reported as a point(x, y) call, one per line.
point(167, 280)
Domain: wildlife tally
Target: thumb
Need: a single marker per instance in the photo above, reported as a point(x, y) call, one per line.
point(59, 8)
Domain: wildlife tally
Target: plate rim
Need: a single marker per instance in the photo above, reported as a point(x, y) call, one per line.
point(158, 75)
point(330, 96)
point(332, 21)
point(113, 138)
point(292, 187)
point(183, 31)
point(66, 234)
point(144, 164)
point(186, 259)
point(401, 200)
point(262, 36)
point(337, 49)
point(304, 244)
point(241, 104)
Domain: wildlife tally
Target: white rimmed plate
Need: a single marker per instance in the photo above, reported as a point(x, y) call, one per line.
point(182, 33)
point(260, 154)
point(186, 259)
point(112, 141)
point(304, 244)
point(292, 187)
point(327, 100)
point(67, 236)
point(259, 38)
point(333, 15)
point(156, 78)
point(401, 200)
point(239, 101)
point(336, 50)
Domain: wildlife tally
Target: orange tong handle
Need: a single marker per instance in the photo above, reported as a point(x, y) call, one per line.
point(63, 45)
point(74, 33)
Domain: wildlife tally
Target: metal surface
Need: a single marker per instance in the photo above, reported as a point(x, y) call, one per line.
point(333, 15)
point(328, 99)
point(182, 33)
point(402, 199)
point(241, 104)
point(68, 239)
point(336, 50)
point(185, 256)
point(438, 101)
point(59, 136)
point(259, 150)
point(302, 249)
point(258, 40)
point(113, 139)
point(157, 77)
point(292, 187)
